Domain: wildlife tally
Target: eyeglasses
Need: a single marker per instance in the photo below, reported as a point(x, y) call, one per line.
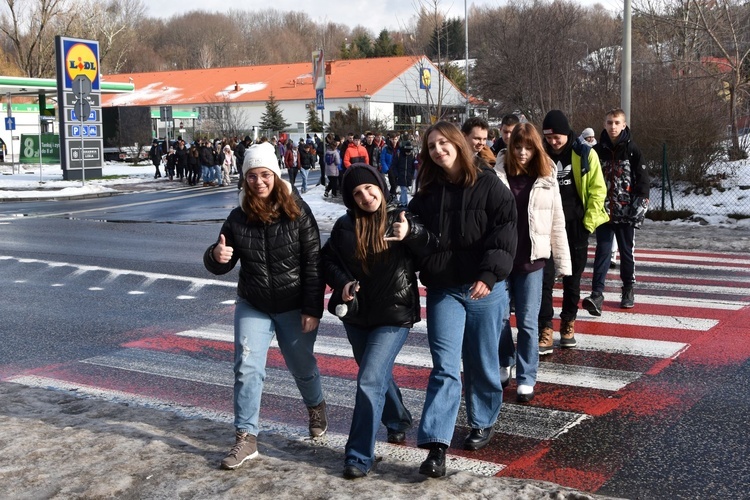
point(265, 177)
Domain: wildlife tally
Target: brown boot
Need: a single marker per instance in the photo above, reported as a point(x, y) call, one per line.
point(318, 419)
point(545, 340)
point(567, 331)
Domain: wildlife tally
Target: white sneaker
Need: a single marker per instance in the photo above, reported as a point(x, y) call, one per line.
point(505, 375)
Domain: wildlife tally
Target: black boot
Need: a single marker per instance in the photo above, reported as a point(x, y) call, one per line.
point(434, 464)
point(628, 297)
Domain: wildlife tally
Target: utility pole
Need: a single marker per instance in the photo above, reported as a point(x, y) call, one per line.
point(466, 37)
point(626, 76)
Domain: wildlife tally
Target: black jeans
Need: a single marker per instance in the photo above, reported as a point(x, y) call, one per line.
point(333, 184)
point(578, 242)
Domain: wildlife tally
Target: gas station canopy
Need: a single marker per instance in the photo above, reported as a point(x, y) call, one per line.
point(32, 87)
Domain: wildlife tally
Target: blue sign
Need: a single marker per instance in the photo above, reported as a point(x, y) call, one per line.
point(74, 116)
point(10, 123)
point(319, 99)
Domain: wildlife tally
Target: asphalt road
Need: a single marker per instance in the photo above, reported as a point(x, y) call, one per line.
point(90, 283)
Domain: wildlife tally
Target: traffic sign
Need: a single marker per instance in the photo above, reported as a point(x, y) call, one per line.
point(165, 113)
point(319, 99)
point(82, 109)
point(81, 86)
point(10, 123)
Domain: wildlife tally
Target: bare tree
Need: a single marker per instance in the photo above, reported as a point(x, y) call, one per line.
point(28, 24)
point(725, 23)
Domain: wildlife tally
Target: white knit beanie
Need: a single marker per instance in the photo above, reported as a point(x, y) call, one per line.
point(261, 155)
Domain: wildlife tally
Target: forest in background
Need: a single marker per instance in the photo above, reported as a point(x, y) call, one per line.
point(690, 70)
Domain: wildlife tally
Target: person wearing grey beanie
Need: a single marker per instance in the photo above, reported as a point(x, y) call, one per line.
point(588, 136)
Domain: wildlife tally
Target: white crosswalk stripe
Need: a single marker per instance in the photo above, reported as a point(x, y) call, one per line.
point(691, 290)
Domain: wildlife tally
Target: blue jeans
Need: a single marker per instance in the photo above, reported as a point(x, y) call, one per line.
point(378, 396)
point(253, 332)
point(217, 173)
point(404, 197)
point(526, 289)
point(625, 234)
point(456, 326)
point(206, 173)
point(304, 173)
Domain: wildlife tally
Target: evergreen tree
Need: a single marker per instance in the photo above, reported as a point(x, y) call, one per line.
point(272, 119)
point(313, 119)
point(384, 46)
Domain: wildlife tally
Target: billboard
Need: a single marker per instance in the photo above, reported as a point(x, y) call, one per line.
point(79, 104)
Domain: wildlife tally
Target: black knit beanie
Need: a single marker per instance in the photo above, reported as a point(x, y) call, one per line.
point(358, 174)
point(555, 123)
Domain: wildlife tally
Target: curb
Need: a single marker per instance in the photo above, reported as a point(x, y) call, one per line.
point(63, 198)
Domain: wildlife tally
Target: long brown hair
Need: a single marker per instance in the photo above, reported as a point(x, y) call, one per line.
point(431, 173)
point(540, 165)
point(267, 210)
point(369, 232)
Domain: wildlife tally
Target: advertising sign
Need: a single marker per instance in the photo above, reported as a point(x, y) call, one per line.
point(319, 70)
point(79, 100)
point(30, 148)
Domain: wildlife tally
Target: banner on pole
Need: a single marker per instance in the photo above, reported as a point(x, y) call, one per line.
point(319, 70)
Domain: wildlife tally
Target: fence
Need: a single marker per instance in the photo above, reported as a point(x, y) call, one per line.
point(724, 194)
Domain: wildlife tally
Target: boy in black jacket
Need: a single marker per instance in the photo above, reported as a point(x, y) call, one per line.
point(628, 186)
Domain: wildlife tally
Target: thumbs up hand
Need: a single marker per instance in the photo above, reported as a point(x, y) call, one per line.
point(399, 229)
point(222, 252)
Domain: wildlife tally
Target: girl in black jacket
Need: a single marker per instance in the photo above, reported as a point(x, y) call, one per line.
point(274, 236)
point(474, 216)
point(360, 258)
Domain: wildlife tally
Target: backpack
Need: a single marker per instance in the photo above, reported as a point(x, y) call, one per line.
point(330, 158)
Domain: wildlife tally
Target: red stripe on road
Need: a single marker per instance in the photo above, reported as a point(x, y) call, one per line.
point(538, 465)
point(728, 343)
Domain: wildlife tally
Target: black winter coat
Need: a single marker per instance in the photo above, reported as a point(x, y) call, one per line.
point(627, 178)
point(476, 227)
point(279, 262)
point(403, 165)
point(206, 156)
point(388, 294)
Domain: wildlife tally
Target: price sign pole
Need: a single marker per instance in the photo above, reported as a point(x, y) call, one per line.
point(81, 90)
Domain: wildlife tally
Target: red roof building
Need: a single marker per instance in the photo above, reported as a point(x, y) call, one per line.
point(401, 91)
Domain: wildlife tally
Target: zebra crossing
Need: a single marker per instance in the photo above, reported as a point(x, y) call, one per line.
point(680, 296)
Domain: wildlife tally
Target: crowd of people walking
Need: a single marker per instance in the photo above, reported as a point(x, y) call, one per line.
point(486, 220)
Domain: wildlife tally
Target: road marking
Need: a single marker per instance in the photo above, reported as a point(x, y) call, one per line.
point(578, 376)
point(299, 434)
point(672, 301)
point(113, 273)
point(124, 205)
point(525, 421)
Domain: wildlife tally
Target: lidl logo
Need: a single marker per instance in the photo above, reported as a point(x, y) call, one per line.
point(81, 60)
point(425, 78)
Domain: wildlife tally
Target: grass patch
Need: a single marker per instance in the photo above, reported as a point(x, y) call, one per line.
point(669, 215)
point(109, 177)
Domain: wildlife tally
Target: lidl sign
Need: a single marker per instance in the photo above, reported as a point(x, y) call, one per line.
point(81, 58)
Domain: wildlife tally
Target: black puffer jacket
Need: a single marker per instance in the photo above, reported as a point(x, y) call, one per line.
point(388, 294)
point(279, 262)
point(476, 227)
point(627, 178)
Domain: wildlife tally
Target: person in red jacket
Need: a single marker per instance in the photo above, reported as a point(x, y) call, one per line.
point(355, 153)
